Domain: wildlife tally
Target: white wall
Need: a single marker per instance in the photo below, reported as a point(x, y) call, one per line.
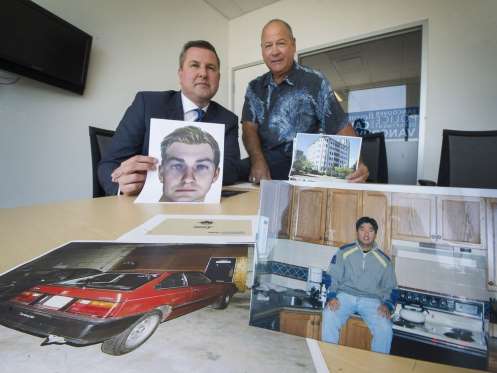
point(44, 143)
point(461, 52)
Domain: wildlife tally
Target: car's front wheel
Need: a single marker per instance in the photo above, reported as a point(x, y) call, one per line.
point(134, 336)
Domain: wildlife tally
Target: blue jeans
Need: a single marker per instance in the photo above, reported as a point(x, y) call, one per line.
point(367, 308)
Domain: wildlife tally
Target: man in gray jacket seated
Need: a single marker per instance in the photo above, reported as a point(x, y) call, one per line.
point(362, 280)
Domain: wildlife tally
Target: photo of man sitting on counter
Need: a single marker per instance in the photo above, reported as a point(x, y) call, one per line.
point(361, 266)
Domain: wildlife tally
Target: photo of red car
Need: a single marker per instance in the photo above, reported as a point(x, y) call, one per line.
point(122, 309)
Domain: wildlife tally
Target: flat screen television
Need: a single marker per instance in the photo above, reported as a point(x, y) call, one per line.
point(38, 44)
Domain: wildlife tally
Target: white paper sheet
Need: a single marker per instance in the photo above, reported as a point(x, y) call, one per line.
point(195, 229)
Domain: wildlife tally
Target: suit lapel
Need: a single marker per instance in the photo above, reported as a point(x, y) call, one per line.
point(174, 108)
point(210, 113)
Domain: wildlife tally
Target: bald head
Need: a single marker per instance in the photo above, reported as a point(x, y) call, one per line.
point(285, 25)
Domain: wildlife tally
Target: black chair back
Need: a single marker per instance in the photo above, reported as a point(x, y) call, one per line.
point(468, 159)
point(99, 142)
point(374, 156)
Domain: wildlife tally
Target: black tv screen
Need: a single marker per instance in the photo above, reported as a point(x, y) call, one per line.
point(38, 44)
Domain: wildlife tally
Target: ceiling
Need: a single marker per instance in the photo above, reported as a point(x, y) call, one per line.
point(235, 8)
point(371, 63)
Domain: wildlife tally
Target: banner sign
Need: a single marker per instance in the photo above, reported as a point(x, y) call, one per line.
point(397, 124)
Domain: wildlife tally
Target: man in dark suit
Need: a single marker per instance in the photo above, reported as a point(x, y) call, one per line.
point(126, 163)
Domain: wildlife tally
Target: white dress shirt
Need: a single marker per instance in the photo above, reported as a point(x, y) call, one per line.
point(190, 115)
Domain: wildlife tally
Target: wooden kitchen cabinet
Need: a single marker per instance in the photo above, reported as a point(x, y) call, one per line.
point(329, 215)
point(284, 231)
point(300, 322)
point(376, 205)
point(413, 217)
point(283, 210)
point(458, 221)
point(355, 333)
point(346, 206)
point(461, 221)
point(308, 214)
point(491, 220)
point(343, 209)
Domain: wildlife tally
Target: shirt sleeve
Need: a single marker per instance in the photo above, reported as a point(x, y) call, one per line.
point(253, 107)
point(332, 118)
point(336, 272)
point(387, 284)
point(126, 142)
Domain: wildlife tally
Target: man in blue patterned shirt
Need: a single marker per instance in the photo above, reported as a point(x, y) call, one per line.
point(288, 99)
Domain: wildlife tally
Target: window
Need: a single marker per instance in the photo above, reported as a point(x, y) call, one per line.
point(377, 82)
point(176, 280)
point(112, 280)
point(197, 278)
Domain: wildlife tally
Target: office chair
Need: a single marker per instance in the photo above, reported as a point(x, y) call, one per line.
point(374, 156)
point(468, 159)
point(99, 142)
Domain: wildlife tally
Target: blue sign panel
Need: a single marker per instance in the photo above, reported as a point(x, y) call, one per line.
point(397, 124)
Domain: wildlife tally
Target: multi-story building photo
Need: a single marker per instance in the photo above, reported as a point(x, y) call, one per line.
point(328, 152)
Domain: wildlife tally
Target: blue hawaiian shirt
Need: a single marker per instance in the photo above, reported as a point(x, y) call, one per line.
point(303, 102)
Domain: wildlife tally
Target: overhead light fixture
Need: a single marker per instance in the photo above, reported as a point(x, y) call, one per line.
point(339, 98)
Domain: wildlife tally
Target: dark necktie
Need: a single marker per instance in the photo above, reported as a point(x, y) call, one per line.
point(200, 114)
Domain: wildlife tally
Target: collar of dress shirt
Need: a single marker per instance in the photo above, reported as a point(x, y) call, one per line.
point(289, 79)
point(189, 108)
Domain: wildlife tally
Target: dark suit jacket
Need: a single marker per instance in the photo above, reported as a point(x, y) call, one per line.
point(132, 134)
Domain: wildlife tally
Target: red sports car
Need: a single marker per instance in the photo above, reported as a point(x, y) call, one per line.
point(122, 309)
